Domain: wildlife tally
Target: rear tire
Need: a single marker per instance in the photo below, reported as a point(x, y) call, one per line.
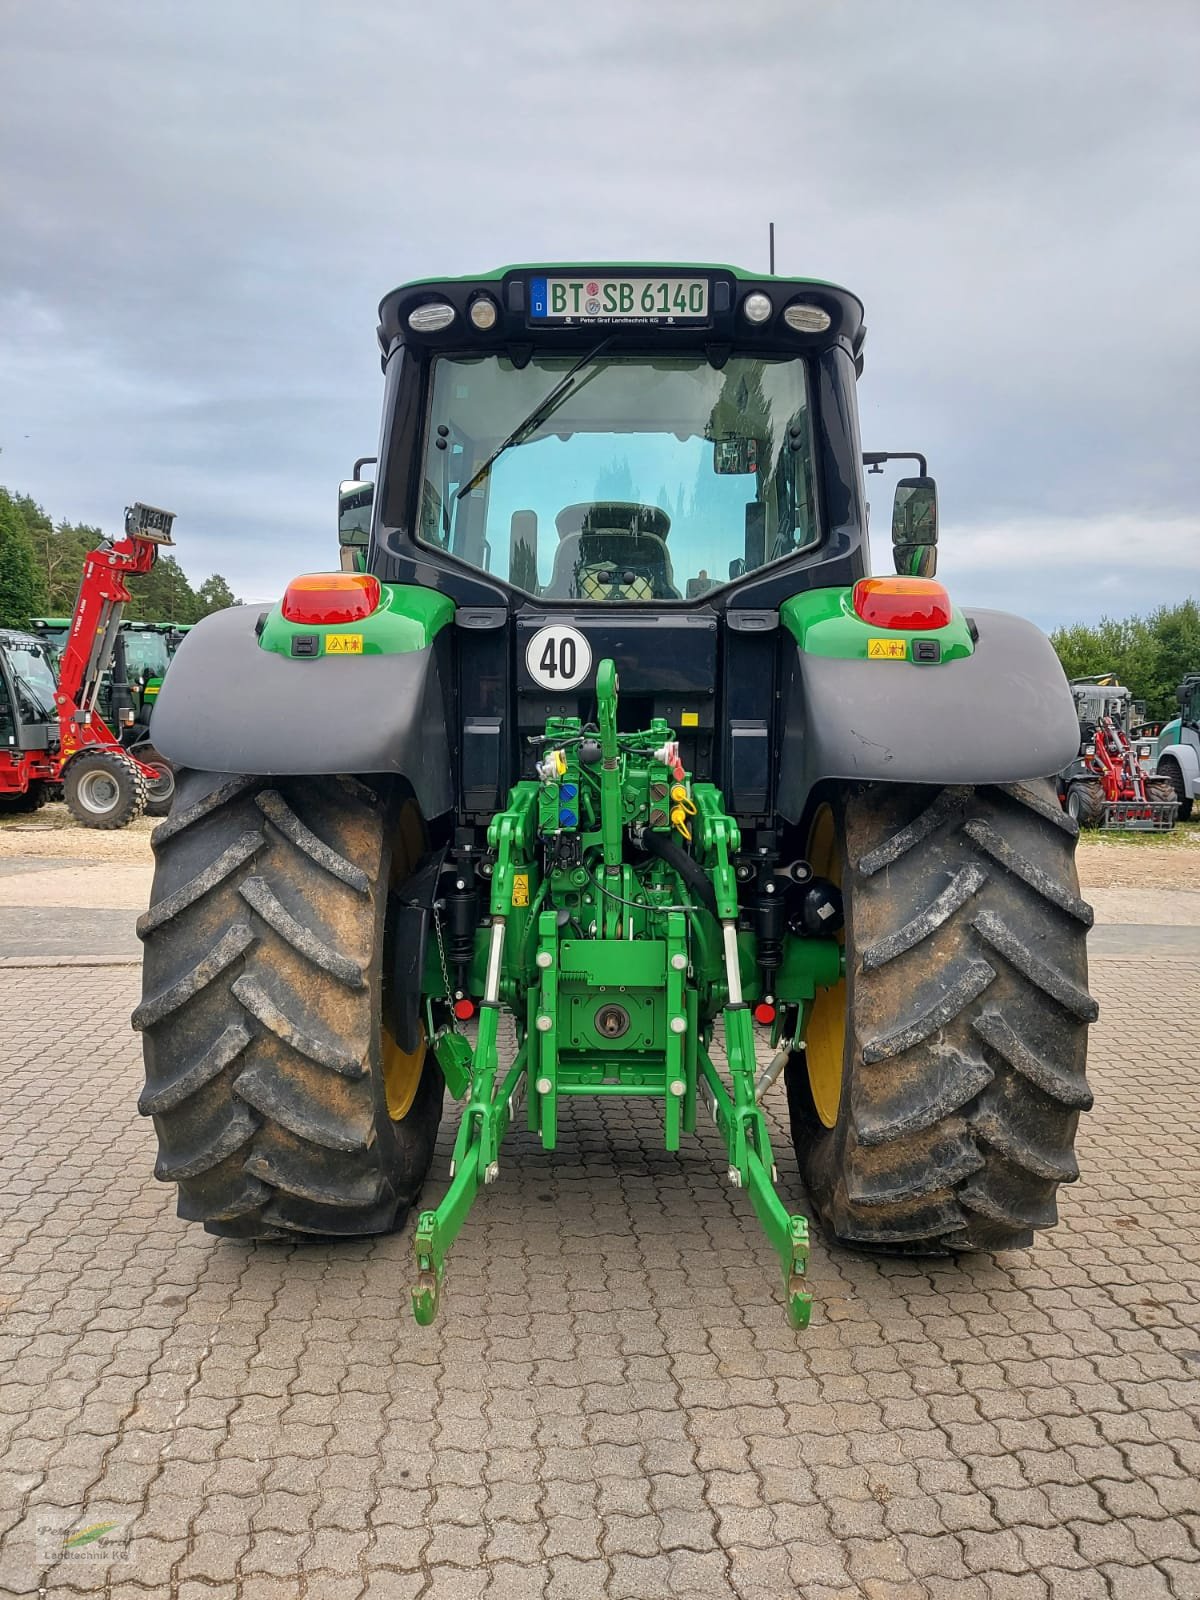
point(1085, 804)
point(103, 789)
point(965, 1022)
point(266, 1055)
point(34, 798)
point(1171, 775)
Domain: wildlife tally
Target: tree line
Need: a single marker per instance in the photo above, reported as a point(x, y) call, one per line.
point(1148, 654)
point(41, 563)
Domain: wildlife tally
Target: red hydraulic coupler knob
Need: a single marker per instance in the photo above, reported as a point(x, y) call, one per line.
point(464, 1009)
point(764, 1013)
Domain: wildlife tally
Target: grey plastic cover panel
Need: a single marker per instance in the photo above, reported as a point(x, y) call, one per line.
point(999, 716)
point(227, 705)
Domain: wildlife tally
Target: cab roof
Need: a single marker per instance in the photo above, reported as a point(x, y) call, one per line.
point(730, 286)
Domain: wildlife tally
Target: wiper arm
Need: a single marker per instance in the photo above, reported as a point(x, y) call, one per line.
point(544, 408)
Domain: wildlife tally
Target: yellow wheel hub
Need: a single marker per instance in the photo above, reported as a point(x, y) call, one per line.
point(825, 1031)
point(401, 1074)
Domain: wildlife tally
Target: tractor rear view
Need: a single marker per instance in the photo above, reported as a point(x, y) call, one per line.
point(1108, 784)
point(605, 770)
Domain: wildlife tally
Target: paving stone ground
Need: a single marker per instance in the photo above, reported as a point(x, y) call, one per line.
point(611, 1404)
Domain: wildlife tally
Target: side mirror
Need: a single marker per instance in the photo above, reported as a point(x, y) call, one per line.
point(915, 527)
point(355, 499)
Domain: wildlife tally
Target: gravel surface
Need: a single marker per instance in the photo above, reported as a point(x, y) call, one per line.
point(53, 832)
point(1111, 863)
point(1116, 863)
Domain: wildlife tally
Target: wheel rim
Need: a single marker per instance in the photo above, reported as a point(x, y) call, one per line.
point(162, 787)
point(825, 1030)
point(98, 792)
point(401, 1069)
point(1073, 807)
point(401, 1074)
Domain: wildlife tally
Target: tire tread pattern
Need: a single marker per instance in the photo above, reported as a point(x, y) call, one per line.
point(261, 1011)
point(967, 1011)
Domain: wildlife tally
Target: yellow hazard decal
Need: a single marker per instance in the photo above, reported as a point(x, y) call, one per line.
point(520, 892)
point(887, 649)
point(343, 644)
point(689, 719)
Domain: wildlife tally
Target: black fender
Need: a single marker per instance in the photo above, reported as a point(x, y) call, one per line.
point(1001, 715)
point(227, 705)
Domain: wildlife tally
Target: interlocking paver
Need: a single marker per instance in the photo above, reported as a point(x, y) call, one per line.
point(612, 1404)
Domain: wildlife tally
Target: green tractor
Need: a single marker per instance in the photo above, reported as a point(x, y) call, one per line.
point(604, 769)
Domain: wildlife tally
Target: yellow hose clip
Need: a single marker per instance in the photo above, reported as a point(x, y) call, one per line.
point(682, 807)
point(560, 761)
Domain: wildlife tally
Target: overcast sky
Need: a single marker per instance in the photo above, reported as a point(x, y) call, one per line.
point(201, 205)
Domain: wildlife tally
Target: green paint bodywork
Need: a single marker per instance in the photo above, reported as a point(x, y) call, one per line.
point(1171, 734)
point(407, 618)
point(599, 268)
point(617, 976)
point(823, 622)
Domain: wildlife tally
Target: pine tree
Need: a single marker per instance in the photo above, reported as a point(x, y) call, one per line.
point(214, 594)
point(41, 564)
point(22, 586)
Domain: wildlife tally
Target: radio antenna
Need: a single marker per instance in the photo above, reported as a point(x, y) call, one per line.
point(771, 237)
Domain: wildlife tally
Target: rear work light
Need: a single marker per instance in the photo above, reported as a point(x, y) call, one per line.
point(902, 602)
point(431, 317)
point(320, 597)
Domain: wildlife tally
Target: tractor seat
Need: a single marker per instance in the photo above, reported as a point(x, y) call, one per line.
point(611, 564)
point(617, 516)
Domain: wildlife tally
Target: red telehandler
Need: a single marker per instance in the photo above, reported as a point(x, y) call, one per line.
point(53, 732)
point(1105, 786)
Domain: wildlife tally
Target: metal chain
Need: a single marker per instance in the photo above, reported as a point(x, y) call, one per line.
point(437, 928)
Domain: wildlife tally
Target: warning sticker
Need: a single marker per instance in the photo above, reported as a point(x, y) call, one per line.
point(520, 894)
point(887, 649)
point(343, 644)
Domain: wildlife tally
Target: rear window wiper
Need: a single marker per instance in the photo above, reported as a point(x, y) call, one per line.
point(540, 412)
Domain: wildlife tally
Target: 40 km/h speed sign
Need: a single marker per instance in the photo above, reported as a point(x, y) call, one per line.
point(558, 657)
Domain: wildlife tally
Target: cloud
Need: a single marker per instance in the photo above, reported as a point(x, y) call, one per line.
point(1118, 565)
point(206, 203)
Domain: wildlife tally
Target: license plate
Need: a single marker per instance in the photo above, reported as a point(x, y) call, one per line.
point(343, 644)
point(596, 300)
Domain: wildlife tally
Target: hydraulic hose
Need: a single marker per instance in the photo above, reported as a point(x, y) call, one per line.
point(677, 858)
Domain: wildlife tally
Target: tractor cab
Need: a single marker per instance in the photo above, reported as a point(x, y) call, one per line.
point(28, 718)
point(1097, 698)
point(616, 436)
point(29, 728)
point(635, 462)
point(141, 656)
point(54, 633)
